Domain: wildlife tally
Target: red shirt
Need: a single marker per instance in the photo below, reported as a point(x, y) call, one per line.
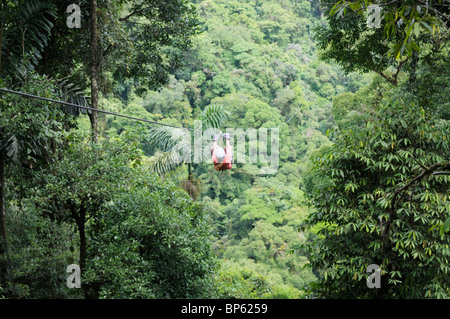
point(226, 164)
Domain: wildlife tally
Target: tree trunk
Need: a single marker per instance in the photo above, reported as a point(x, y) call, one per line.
point(1, 38)
point(82, 233)
point(4, 243)
point(2, 9)
point(95, 64)
point(81, 221)
point(413, 75)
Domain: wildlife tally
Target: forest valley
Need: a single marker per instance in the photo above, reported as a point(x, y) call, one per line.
point(361, 101)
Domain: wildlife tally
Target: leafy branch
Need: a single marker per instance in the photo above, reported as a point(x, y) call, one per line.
point(425, 172)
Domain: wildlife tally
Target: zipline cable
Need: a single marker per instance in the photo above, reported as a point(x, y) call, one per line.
point(112, 113)
point(88, 108)
point(298, 108)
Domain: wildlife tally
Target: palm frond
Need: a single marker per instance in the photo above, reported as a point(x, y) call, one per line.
point(27, 32)
point(175, 144)
point(10, 147)
point(162, 137)
point(213, 116)
point(162, 163)
point(70, 90)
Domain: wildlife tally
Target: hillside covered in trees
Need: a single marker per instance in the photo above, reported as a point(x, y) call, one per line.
point(363, 159)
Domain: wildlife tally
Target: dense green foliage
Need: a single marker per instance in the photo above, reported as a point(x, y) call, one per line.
point(383, 194)
point(363, 119)
point(373, 210)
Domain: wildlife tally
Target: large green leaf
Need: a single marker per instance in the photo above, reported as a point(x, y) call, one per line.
point(162, 163)
point(446, 227)
point(162, 138)
point(25, 35)
point(213, 116)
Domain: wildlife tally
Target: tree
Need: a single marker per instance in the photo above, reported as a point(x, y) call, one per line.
point(383, 194)
point(407, 29)
point(25, 28)
point(30, 133)
point(139, 40)
point(94, 68)
point(235, 281)
point(152, 241)
point(138, 236)
point(269, 250)
point(161, 25)
point(384, 203)
point(69, 193)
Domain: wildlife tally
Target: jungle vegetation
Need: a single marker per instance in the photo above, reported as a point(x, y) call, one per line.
point(363, 114)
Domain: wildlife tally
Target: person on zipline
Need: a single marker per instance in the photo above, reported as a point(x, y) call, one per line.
point(222, 159)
